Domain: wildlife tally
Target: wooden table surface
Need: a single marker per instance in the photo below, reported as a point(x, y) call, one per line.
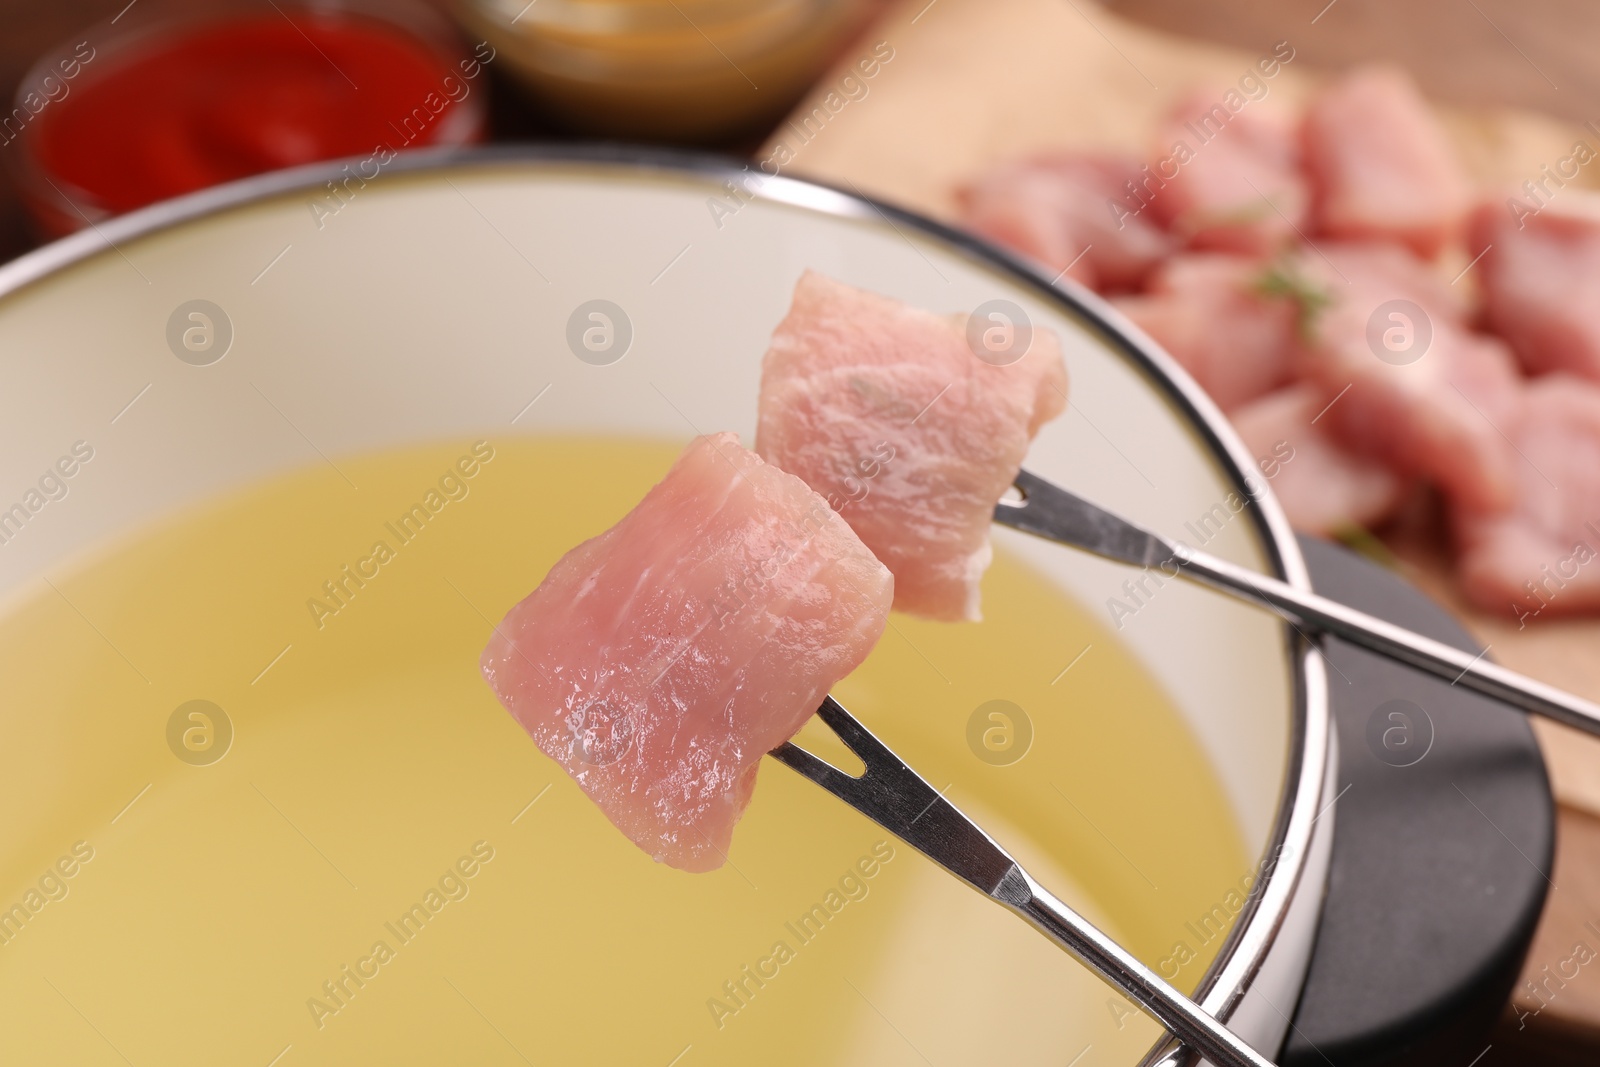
point(977, 80)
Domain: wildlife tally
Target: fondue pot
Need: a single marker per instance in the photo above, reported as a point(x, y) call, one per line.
point(205, 344)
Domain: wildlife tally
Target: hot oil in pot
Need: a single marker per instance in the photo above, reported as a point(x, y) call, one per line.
point(296, 819)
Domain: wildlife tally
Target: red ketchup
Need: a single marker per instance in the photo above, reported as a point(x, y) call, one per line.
point(170, 114)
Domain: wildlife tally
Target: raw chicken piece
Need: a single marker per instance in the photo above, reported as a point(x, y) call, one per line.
point(1541, 280)
point(1380, 163)
point(886, 411)
point(1214, 313)
point(1069, 211)
point(658, 662)
point(1322, 486)
point(1540, 557)
point(1440, 415)
point(1229, 180)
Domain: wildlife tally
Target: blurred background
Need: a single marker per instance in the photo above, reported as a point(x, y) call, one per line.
point(673, 71)
point(109, 106)
point(186, 93)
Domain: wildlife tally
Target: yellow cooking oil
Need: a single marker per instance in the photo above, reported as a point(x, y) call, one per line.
point(261, 809)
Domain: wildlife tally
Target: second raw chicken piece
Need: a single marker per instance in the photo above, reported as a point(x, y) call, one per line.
point(888, 411)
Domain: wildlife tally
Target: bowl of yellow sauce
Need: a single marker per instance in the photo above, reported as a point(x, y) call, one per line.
point(678, 70)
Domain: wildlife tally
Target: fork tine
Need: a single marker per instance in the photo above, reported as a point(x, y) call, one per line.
point(874, 798)
point(813, 767)
point(858, 738)
point(882, 791)
point(1049, 511)
point(901, 801)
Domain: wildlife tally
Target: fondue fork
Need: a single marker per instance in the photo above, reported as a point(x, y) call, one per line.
point(901, 801)
point(1046, 510)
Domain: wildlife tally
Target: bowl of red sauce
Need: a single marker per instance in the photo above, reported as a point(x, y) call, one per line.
point(123, 116)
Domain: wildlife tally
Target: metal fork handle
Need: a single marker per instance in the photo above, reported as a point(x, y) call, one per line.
point(1192, 1024)
point(901, 801)
point(1395, 642)
point(1058, 515)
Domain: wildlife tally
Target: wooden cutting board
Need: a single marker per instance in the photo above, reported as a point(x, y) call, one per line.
point(968, 83)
